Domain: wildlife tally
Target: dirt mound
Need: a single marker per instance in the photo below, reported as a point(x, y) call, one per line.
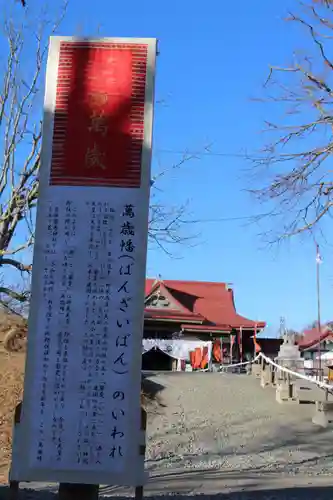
point(11, 385)
point(13, 332)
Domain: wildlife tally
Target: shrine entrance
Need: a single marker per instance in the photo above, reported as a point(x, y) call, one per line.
point(156, 360)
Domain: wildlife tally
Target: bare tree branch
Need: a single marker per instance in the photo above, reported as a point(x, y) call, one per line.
point(20, 297)
point(20, 131)
point(18, 265)
point(292, 173)
point(168, 223)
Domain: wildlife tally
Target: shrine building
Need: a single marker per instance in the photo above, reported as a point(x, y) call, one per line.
point(313, 340)
point(184, 316)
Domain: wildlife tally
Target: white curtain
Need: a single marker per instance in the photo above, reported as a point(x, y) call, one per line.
point(178, 349)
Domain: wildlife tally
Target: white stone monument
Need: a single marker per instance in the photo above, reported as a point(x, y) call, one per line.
point(289, 354)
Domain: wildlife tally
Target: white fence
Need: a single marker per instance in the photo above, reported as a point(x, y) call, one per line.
point(279, 368)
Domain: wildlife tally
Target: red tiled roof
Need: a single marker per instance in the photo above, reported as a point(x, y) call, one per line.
point(313, 336)
point(172, 314)
point(212, 301)
point(212, 328)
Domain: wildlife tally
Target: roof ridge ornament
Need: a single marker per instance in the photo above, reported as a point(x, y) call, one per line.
point(158, 280)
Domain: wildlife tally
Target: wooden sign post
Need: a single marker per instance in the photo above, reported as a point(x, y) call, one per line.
point(90, 491)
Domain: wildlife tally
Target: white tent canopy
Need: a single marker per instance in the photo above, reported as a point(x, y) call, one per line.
point(327, 356)
point(175, 348)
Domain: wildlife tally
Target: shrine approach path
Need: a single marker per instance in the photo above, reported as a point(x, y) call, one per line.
point(222, 434)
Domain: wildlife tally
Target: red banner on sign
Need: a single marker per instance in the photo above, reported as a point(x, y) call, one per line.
point(99, 115)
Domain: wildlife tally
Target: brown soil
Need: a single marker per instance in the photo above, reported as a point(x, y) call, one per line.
point(11, 384)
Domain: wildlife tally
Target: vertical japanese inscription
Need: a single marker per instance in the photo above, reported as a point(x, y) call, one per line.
point(100, 98)
point(121, 347)
point(95, 342)
point(48, 287)
point(56, 300)
point(63, 326)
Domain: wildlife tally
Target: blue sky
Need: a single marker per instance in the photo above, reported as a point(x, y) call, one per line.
point(213, 58)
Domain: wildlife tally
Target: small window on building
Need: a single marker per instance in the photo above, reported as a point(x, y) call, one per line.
point(158, 301)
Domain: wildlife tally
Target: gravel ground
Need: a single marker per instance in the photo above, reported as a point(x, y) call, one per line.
point(222, 435)
point(227, 422)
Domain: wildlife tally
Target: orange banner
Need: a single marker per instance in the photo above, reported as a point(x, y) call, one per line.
point(217, 351)
point(204, 360)
point(197, 357)
point(192, 358)
point(256, 345)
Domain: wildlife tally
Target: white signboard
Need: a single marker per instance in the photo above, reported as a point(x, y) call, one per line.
point(81, 408)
